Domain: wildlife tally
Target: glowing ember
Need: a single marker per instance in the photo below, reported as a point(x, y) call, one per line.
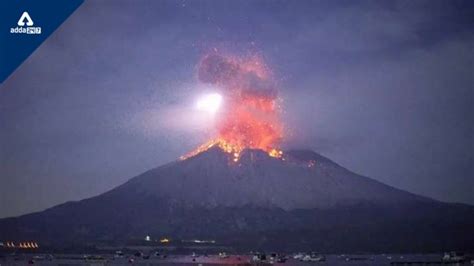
point(275, 153)
point(250, 118)
point(222, 144)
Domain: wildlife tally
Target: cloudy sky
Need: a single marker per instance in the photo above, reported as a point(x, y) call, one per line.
point(384, 88)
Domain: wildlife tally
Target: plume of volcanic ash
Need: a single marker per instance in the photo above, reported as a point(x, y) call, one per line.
point(251, 116)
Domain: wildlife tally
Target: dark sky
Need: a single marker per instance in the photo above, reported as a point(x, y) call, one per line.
point(384, 88)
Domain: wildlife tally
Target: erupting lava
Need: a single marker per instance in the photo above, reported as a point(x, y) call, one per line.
point(251, 118)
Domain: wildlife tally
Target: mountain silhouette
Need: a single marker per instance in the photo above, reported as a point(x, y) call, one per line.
point(302, 201)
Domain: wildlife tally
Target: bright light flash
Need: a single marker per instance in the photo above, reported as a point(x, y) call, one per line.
point(209, 103)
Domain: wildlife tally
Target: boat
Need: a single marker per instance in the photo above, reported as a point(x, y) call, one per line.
point(223, 255)
point(314, 258)
point(453, 256)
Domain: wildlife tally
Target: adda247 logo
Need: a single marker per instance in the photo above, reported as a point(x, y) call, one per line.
point(26, 30)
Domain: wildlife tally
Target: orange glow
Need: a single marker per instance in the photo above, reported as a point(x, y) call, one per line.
point(275, 153)
point(227, 147)
point(251, 115)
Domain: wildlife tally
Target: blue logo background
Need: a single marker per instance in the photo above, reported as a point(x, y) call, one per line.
point(47, 14)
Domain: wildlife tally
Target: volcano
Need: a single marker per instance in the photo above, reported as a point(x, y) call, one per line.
point(301, 201)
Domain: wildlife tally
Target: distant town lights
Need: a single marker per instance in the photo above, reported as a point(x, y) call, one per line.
point(164, 240)
point(22, 245)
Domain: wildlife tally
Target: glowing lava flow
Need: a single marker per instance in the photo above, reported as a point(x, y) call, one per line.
point(251, 118)
point(229, 148)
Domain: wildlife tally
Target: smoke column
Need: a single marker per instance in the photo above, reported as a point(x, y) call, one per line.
point(250, 119)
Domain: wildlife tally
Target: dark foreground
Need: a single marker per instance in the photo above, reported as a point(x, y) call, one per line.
point(380, 259)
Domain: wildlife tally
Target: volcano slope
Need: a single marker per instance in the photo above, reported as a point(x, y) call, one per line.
point(302, 201)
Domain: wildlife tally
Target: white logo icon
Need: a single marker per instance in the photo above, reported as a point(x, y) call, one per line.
point(29, 22)
point(25, 16)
